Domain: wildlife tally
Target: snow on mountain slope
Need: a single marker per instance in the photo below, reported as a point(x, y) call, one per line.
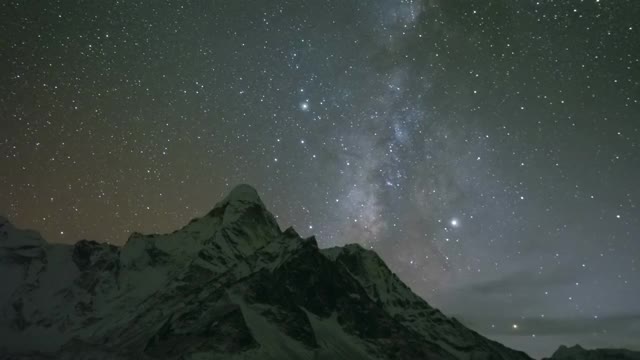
point(228, 285)
point(397, 299)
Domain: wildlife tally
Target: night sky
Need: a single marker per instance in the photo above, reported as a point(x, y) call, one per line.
point(489, 151)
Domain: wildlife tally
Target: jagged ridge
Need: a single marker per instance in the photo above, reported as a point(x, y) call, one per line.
point(228, 285)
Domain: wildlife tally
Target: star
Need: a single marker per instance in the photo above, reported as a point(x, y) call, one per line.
point(371, 119)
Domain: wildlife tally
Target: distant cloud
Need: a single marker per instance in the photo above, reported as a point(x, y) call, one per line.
point(613, 324)
point(525, 281)
point(503, 299)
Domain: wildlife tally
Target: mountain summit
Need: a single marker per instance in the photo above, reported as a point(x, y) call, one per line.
point(244, 193)
point(228, 285)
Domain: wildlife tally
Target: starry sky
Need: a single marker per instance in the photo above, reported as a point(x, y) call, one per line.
point(489, 151)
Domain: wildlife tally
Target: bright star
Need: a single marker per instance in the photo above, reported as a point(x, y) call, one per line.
point(304, 106)
point(455, 222)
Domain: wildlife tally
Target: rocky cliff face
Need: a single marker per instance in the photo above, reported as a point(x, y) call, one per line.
point(229, 285)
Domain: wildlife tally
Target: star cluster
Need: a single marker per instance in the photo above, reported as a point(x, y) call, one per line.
point(488, 151)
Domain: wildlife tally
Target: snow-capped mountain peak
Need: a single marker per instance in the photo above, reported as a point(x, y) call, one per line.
point(227, 285)
point(243, 193)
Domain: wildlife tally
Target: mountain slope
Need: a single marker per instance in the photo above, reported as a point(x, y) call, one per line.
point(229, 285)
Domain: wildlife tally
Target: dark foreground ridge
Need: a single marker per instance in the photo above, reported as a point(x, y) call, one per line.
point(229, 285)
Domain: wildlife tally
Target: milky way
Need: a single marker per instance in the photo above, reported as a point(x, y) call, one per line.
point(489, 151)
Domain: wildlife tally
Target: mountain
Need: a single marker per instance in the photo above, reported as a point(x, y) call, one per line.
point(229, 285)
point(576, 352)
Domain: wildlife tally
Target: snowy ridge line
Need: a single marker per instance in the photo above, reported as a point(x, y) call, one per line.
point(228, 285)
